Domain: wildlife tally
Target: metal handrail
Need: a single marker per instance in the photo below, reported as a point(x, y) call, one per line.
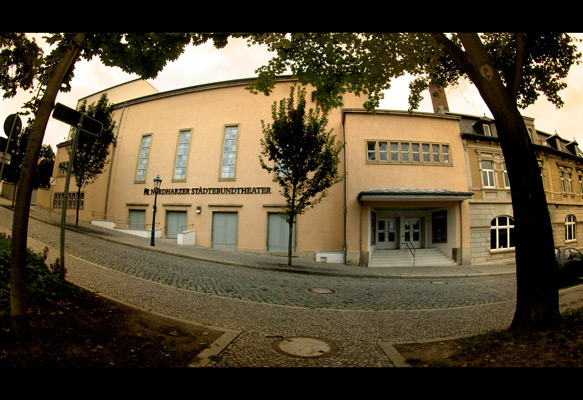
point(411, 249)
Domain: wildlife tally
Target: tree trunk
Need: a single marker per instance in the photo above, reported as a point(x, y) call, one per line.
point(78, 204)
point(18, 304)
point(290, 240)
point(537, 305)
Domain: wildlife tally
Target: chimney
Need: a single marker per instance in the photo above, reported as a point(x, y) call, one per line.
point(438, 100)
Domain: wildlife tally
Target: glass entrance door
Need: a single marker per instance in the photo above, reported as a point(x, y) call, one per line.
point(412, 231)
point(387, 233)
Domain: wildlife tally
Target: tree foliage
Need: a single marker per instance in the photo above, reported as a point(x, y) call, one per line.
point(92, 151)
point(25, 67)
point(301, 154)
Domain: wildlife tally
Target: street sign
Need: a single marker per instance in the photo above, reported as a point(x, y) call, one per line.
point(12, 120)
point(72, 117)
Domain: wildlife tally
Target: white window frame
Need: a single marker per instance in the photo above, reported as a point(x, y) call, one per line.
point(488, 175)
point(497, 227)
point(570, 228)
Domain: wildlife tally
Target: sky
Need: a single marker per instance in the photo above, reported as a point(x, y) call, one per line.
point(205, 64)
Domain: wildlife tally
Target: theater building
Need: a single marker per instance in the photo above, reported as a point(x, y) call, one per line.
point(418, 188)
point(404, 185)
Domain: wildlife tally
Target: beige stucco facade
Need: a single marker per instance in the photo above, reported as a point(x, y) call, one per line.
point(411, 180)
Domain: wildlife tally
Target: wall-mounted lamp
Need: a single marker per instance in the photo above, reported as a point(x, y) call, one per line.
point(198, 210)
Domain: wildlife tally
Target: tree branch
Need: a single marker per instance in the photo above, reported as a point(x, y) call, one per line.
point(515, 76)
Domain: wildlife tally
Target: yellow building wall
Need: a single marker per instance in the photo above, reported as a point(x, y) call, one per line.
point(364, 176)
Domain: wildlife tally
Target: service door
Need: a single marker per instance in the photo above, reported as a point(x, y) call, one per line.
point(175, 223)
point(412, 231)
point(387, 233)
point(137, 219)
point(224, 230)
point(278, 233)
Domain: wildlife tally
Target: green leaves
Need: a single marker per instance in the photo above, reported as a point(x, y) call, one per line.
point(300, 152)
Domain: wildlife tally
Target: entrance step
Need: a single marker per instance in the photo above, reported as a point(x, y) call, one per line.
point(404, 258)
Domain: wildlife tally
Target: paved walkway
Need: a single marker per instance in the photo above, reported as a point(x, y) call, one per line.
point(271, 318)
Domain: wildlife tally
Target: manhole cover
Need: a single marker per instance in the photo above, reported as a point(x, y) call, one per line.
point(304, 347)
point(321, 290)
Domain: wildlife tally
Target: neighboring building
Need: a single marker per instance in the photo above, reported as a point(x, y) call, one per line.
point(492, 223)
point(413, 181)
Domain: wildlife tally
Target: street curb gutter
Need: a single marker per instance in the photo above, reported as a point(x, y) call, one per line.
point(396, 358)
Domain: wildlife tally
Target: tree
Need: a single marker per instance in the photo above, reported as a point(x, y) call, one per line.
point(510, 70)
point(23, 65)
point(92, 151)
point(302, 155)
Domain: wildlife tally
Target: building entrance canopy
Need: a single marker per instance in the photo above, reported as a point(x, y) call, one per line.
point(395, 194)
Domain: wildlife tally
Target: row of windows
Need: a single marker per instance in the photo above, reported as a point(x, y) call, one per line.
point(227, 159)
point(71, 200)
point(566, 177)
point(407, 152)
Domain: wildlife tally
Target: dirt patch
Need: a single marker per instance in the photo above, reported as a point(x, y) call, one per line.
point(555, 348)
point(97, 332)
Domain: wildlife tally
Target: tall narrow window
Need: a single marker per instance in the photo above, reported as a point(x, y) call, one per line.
point(182, 155)
point(415, 152)
point(445, 153)
point(383, 151)
point(143, 158)
point(426, 154)
point(371, 151)
point(436, 155)
point(405, 152)
point(394, 152)
point(501, 233)
point(505, 172)
point(488, 173)
point(570, 227)
point(229, 153)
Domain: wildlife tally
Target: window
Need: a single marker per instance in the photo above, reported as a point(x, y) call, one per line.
point(580, 177)
point(371, 151)
point(505, 172)
point(383, 151)
point(394, 152)
point(436, 155)
point(71, 200)
point(415, 153)
point(229, 153)
point(487, 130)
point(488, 173)
point(445, 153)
point(407, 152)
point(566, 177)
point(570, 228)
point(143, 158)
point(181, 155)
point(426, 155)
point(501, 233)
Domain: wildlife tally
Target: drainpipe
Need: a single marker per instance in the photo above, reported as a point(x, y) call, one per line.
point(344, 182)
point(111, 164)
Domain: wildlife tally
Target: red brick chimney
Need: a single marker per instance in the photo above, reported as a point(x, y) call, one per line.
point(438, 99)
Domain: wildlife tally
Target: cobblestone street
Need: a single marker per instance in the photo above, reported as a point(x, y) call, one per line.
point(262, 306)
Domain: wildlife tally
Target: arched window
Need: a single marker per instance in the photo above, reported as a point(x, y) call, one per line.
point(501, 233)
point(570, 227)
